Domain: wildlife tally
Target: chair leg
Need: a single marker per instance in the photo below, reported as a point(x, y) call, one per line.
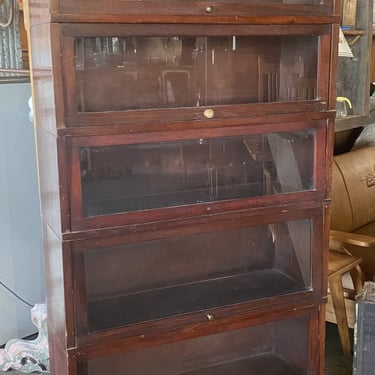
point(337, 294)
point(357, 278)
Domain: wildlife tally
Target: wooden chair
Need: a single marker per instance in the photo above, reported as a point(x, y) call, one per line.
point(343, 267)
point(352, 231)
point(296, 85)
point(353, 205)
point(268, 80)
point(272, 87)
point(301, 89)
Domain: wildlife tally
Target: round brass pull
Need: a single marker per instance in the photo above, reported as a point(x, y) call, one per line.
point(210, 317)
point(209, 9)
point(209, 113)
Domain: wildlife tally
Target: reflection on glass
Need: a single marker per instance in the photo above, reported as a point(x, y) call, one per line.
point(259, 349)
point(137, 177)
point(150, 280)
point(124, 73)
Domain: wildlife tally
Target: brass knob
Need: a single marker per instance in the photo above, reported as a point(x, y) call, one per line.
point(209, 113)
point(210, 317)
point(209, 9)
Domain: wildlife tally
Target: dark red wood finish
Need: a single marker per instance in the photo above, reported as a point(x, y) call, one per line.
point(285, 325)
point(260, 12)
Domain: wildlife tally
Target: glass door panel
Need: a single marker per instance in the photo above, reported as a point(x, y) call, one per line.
point(136, 177)
point(155, 279)
point(277, 348)
point(153, 72)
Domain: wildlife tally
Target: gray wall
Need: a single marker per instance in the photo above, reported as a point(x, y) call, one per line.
point(21, 261)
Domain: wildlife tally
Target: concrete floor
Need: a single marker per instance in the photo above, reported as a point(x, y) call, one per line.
point(336, 362)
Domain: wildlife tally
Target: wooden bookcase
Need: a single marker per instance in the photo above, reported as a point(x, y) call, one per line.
point(184, 162)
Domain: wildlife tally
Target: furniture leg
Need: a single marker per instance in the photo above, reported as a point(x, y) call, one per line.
point(337, 293)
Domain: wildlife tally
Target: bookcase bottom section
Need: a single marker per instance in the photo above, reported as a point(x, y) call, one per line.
point(277, 348)
point(261, 365)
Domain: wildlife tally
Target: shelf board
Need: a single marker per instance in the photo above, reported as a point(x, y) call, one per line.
point(353, 121)
point(161, 303)
point(109, 196)
point(261, 365)
point(353, 32)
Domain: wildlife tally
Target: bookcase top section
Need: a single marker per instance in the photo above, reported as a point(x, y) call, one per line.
point(172, 11)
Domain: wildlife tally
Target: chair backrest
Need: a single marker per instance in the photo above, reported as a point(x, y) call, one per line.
point(274, 85)
point(353, 189)
point(302, 89)
point(268, 80)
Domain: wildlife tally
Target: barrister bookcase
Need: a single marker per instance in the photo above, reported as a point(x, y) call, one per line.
point(184, 162)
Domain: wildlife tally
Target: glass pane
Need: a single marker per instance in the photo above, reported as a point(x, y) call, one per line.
point(276, 348)
point(138, 177)
point(127, 73)
point(150, 280)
